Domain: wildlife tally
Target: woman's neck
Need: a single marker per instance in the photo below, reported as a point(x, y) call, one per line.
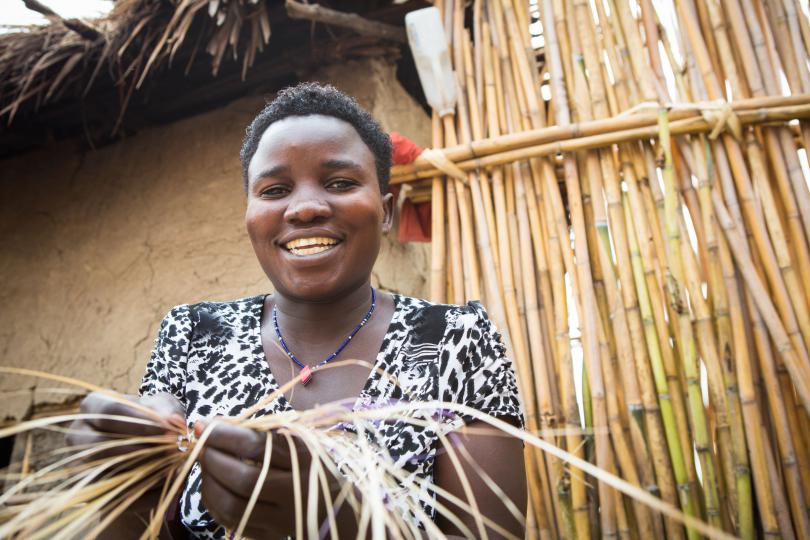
point(300, 318)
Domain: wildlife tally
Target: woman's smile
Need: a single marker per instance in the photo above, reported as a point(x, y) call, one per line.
point(311, 246)
point(307, 247)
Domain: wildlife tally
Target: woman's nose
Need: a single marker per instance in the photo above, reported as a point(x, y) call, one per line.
point(306, 208)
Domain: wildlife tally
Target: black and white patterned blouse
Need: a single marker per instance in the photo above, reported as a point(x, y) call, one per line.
point(210, 356)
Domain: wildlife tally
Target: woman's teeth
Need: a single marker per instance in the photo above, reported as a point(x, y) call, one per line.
point(309, 251)
point(310, 246)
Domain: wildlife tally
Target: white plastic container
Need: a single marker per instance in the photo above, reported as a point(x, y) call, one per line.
point(429, 46)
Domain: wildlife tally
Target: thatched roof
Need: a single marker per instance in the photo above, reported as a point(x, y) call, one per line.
point(152, 61)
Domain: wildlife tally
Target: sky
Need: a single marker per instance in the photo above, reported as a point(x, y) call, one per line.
point(14, 12)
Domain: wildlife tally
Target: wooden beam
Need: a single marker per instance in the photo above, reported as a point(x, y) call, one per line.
point(77, 25)
point(366, 27)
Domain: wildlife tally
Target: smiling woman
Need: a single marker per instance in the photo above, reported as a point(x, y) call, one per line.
point(315, 169)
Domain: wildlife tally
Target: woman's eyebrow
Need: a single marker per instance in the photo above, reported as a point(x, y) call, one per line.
point(278, 170)
point(335, 164)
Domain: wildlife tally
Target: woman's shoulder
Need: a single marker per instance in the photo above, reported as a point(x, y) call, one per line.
point(471, 312)
point(211, 314)
point(248, 303)
point(470, 319)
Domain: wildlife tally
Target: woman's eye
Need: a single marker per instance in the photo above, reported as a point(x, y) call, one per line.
point(274, 191)
point(341, 184)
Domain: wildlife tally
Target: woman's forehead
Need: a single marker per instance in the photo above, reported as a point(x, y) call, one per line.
point(310, 140)
point(322, 132)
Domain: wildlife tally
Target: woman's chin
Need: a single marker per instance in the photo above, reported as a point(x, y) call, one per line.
point(314, 287)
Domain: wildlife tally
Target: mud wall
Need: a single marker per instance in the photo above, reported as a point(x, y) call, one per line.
point(95, 247)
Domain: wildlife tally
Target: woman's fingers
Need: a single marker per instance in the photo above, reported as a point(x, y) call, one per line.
point(223, 504)
point(237, 441)
point(84, 436)
point(81, 434)
point(241, 477)
point(97, 403)
point(164, 405)
point(247, 444)
point(227, 508)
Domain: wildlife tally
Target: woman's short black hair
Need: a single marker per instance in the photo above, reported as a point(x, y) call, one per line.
point(312, 98)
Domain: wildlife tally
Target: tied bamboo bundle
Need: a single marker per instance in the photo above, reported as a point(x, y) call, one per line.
point(82, 492)
point(630, 200)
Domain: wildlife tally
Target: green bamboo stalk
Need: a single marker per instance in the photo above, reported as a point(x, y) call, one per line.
point(652, 250)
point(677, 299)
point(676, 451)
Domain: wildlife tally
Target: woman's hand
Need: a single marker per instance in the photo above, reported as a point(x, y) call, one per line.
point(88, 432)
point(93, 431)
point(231, 466)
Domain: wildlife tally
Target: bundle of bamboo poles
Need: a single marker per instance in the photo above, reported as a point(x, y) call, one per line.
point(633, 183)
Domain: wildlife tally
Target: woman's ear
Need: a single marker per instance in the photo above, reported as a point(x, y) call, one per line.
point(388, 212)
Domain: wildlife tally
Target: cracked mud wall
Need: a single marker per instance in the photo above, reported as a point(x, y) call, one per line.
point(96, 247)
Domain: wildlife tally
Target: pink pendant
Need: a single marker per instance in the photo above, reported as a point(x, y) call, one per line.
point(306, 375)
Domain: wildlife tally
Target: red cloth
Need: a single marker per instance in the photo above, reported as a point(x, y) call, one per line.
point(414, 219)
point(405, 150)
point(414, 222)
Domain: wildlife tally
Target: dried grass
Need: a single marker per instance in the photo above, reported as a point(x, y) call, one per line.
point(79, 495)
point(138, 36)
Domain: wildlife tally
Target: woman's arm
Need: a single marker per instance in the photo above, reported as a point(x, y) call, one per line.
point(495, 455)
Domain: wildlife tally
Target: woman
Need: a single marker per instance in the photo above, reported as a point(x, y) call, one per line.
point(315, 168)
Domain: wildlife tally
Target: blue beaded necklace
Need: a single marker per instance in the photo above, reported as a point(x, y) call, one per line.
point(308, 371)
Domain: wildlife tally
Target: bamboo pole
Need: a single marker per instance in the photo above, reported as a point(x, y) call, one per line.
point(648, 131)
point(750, 108)
point(675, 285)
point(437, 258)
point(798, 371)
point(722, 380)
point(671, 428)
point(720, 307)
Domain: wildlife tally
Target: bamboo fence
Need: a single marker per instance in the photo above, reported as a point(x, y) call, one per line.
point(625, 191)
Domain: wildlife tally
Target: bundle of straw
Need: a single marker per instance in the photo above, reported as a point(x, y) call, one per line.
point(82, 493)
point(632, 208)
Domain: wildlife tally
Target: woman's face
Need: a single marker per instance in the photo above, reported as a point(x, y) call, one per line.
point(315, 214)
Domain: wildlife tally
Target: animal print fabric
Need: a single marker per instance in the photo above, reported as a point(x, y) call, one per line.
point(210, 356)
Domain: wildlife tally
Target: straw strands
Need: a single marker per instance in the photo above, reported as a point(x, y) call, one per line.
point(83, 491)
point(626, 192)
